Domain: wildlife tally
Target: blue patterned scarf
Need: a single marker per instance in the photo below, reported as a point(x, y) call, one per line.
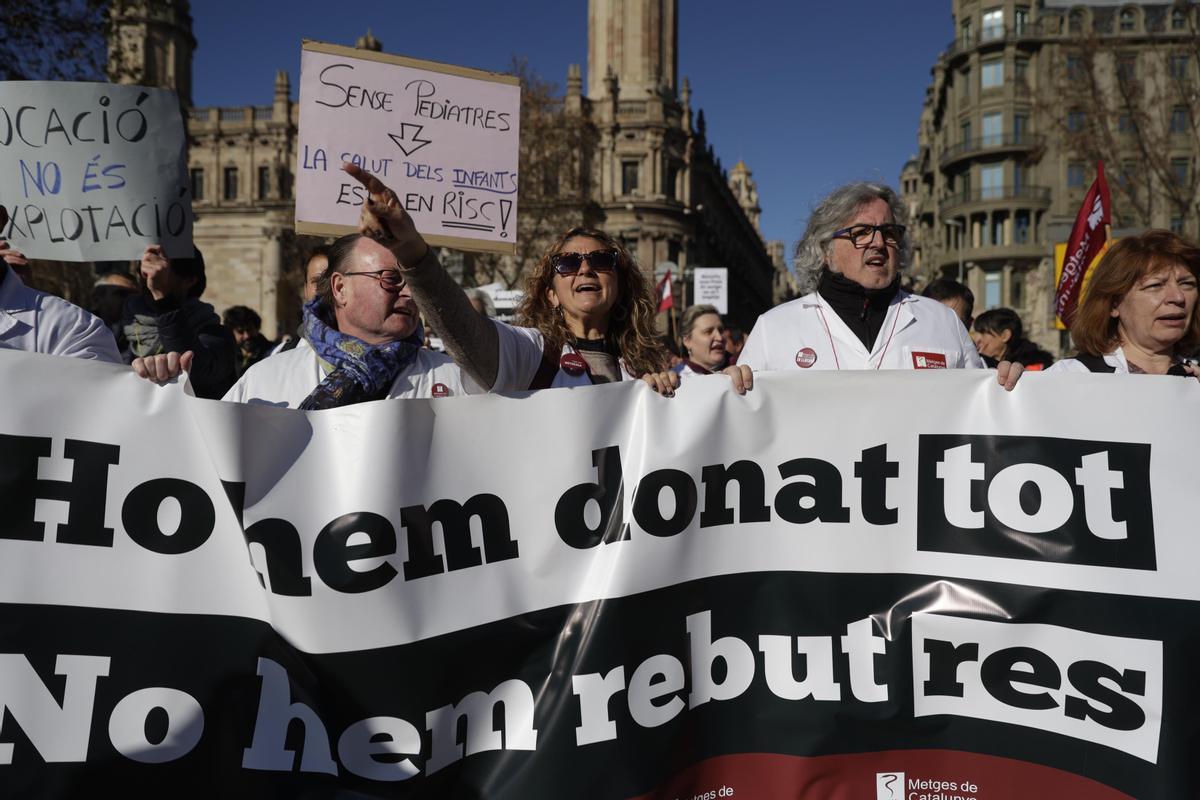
point(358, 371)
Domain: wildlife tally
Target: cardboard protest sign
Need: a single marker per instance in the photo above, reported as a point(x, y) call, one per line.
point(444, 138)
point(93, 171)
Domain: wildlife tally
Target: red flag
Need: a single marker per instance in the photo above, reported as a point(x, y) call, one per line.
point(666, 297)
point(1087, 239)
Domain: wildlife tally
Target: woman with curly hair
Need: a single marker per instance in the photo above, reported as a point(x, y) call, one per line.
point(588, 313)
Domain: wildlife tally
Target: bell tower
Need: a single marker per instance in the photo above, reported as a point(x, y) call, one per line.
point(638, 41)
point(151, 44)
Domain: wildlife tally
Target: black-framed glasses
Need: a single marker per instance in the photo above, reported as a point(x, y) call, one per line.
point(863, 234)
point(598, 260)
point(388, 278)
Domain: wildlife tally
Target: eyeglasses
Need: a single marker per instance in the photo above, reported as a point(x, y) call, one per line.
point(388, 278)
point(598, 260)
point(862, 235)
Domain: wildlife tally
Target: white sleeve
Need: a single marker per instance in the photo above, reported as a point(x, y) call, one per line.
point(76, 333)
point(971, 359)
point(754, 354)
point(520, 356)
point(1067, 365)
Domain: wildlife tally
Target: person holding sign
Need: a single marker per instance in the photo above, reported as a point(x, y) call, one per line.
point(704, 340)
point(859, 317)
point(1139, 312)
point(590, 310)
point(42, 323)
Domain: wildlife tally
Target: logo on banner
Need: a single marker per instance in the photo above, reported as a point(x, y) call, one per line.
point(928, 360)
point(1038, 498)
point(806, 357)
point(889, 786)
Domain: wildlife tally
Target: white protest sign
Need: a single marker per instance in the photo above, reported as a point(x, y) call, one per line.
point(444, 138)
point(711, 285)
point(93, 171)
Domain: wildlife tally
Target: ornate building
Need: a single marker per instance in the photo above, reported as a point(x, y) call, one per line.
point(648, 174)
point(1023, 102)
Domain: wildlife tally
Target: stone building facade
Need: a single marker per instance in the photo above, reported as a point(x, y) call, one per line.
point(652, 178)
point(1022, 103)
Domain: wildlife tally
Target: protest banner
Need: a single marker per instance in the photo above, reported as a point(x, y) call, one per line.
point(602, 593)
point(93, 171)
point(712, 287)
point(444, 138)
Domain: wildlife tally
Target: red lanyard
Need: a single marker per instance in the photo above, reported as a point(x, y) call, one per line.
point(833, 346)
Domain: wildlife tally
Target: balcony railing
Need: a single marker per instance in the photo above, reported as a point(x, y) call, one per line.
point(995, 141)
point(995, 35)
point(1039, 195)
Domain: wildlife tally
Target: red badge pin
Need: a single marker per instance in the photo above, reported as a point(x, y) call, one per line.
point(923, 360)
point(806, 357)
point(573, 364)
point(441, 390)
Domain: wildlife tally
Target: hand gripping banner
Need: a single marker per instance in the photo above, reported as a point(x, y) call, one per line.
point(891, 585)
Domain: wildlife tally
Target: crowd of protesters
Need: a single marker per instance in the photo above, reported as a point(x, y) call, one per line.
point(588, 317)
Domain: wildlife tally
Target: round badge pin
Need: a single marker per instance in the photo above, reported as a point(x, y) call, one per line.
point(806, 357)
point(573, 364)
point(441, 390)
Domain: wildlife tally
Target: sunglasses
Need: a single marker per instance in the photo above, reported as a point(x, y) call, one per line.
point(598, 260)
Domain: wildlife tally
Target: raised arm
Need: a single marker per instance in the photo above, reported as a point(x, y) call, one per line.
point(469, 337)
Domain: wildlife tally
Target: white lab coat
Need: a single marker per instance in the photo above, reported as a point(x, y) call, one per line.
point(917, 333)
point(42, 323)
point(286, 379)
point(521, 354)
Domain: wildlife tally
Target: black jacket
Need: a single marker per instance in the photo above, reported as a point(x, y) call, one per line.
point(153, 327)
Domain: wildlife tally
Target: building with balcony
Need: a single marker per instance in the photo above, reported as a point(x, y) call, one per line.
point(1003, 161)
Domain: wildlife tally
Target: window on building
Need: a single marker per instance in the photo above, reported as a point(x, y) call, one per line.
point(993, 74)
point(231, 183)
point(1178, 19)
point(1020, 178)
point(965, 129)
point(1179, 119)
point(1178, 66)
point(993, 129)
point(1179, 169)
point(998, 220)
point(1016, 290)
point(1126, 66)
point(674, 248)
point(991, 290)
point(1020, 20)
point(1076, 21)
point(966, 35)
point(964, 183)
point(1074, 175)
point(1177, 225)
point(629, 177)
point(1020, 127)
point(991, 182)
point(1127, 173)
point(550, 183)
point(1126, 124)
point(1128, 19)
point(964, 85)
point(1021, 70)
point(1074, 68)
point(670, 178)
point(1021, 228)
point(285, 183)
point(993, 25)
point(1075, 120)
point(264, 183)
point(197, 184)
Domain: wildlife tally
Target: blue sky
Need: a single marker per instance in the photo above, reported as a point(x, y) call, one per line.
point(810, 93)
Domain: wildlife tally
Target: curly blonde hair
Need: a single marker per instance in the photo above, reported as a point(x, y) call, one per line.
point(631, 325)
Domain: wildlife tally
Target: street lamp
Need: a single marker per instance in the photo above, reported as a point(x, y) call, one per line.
point(962, 232)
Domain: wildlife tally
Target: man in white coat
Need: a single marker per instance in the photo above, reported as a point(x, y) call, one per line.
point(858, 317)
point(42, 323)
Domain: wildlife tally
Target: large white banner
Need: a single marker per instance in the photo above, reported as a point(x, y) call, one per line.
point(93, 171)
point(445, 138)
point(624, 574)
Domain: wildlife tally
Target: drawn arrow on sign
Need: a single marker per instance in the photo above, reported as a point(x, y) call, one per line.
point(408, 140)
